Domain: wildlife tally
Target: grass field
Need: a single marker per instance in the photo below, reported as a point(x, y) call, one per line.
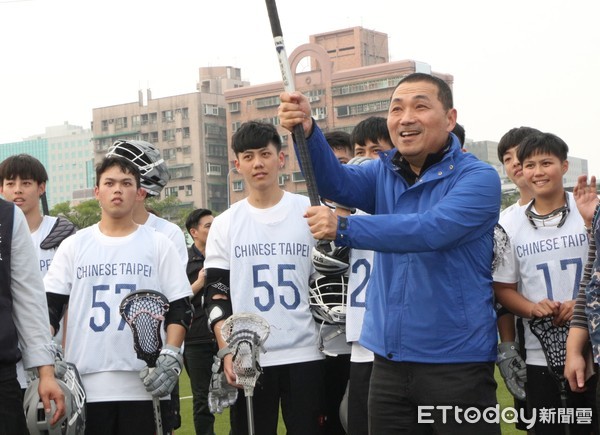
point(222, 420)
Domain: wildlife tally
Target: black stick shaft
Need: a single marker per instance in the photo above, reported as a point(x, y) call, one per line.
point(288, 84)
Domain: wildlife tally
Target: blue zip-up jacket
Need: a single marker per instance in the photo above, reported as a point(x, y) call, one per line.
point(430, 295)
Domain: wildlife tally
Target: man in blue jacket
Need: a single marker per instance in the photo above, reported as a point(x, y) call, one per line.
point(430, 319)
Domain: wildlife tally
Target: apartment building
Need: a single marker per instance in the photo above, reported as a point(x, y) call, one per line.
point(347, 76)
point(66, 153)
point(190, 130)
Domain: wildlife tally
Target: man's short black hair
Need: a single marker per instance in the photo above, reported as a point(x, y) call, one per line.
point(254, 135)
point(23, 166)
point(339, 140)
point(194, 217)
point(542, 143)
point(444, 91)
point(124, 164)
point(513, 138)
point(373, 129)
point(459, 131)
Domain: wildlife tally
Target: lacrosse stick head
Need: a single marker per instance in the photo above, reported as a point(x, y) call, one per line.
point(245, 334)
point(554, 344)
point(144, 311)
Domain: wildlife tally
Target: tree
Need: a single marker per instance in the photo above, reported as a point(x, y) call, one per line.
point(170, 208)
point(82, 215)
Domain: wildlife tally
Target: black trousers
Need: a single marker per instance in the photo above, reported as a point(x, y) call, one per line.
point(299, 388)
point(398, 389)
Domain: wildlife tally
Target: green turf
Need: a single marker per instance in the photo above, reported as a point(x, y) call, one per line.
point(222, 420)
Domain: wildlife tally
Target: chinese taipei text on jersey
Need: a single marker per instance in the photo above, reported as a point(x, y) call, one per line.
point(268, 254)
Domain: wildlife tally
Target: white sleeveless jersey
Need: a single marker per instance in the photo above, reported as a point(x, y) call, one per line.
point(268, 254)
point(359, 273)
point(38, 236)
point(546, 262)
point(97, 271)
point(173, 232)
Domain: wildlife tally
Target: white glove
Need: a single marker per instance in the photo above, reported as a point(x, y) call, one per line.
point(512, 368)
point(220, 393)
point(161, 380)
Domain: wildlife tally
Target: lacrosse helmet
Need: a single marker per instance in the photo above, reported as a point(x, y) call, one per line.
point(73, 422)
point(330, 259)
point(327, 298)
point(153, 169)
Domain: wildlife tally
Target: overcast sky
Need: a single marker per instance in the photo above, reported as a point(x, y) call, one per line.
point(514, 62)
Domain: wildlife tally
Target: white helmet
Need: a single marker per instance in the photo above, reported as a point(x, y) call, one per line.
point(330, 259)
point(327, 298)
point(73, 422)
point(153, 169)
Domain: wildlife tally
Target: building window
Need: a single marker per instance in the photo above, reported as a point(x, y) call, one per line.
point(152, 118)
point(237, 185)
point(154, 136)
point(144, 119)
point(234, 107)
point(319, 113)
point(235, 125)
point(186, 132)
point(188, 190)
point(283, 178)
point(104, 125)
point(185, 113)
point(211, 110)
point(136, 120)
point(213, 169)
point(297, 177)
point(169, 153)
point(267, 102)
point(171, 191)
point(121, 122)
point(187, 150)
point(168, 135)
point(167, 116)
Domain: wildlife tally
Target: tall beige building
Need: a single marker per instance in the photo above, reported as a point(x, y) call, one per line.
point(347, 76)
point(190, 130)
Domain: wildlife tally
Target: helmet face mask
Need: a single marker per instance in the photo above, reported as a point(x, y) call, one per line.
point(73, 422)
point(153, 169)
point(327, 298)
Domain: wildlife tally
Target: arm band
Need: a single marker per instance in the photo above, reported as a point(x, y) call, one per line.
point(180, 312)
point(57, 304)
point(217, 283)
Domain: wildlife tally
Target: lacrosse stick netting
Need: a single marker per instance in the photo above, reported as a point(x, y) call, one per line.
point(554, 344)
point(245, 334)
point(144, 311)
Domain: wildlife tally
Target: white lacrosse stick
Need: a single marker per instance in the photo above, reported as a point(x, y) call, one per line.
point(245, 334)
point(144, 311)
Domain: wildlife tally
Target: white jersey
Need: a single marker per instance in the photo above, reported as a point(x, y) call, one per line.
point(38, 236)
point(546, 262)
point(96, 272)
point(173, 232)
point(360, 270)
point(268, 255)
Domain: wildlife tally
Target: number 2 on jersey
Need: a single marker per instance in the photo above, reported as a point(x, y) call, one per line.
point(356, 299)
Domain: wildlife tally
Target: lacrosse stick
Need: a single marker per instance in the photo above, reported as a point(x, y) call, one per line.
point(144, 311)
point(244, 334)
point(288, 85)
point(554, 344)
